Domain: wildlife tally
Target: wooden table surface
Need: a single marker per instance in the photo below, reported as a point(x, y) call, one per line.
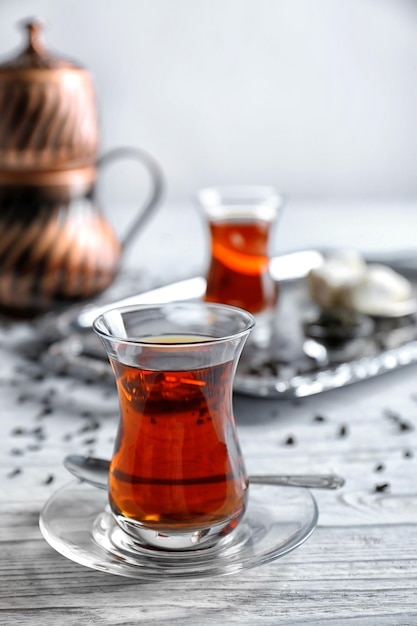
point(359, 566)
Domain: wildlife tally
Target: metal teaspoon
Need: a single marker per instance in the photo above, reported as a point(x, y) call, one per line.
point(95, 472)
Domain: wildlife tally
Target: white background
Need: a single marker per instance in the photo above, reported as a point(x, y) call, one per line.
point(317, 97)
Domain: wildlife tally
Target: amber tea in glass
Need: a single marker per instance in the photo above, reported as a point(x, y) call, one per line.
point(240, 220)
point(177, 478)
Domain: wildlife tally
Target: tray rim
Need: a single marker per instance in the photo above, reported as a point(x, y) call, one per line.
point(66, 355)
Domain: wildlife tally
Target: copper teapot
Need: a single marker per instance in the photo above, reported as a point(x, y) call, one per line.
point(56, 246)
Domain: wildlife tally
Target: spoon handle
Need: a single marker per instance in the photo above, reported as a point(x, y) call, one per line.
point(319, 481)
point(95, 471)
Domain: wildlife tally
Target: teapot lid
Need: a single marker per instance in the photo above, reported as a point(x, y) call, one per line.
point(48, 111)
point(35, 55)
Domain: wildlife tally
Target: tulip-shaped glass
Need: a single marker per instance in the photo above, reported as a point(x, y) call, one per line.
point(177, 478)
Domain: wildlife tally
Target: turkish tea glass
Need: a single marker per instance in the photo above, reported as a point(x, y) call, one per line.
point(241, 221)
point(177, 479)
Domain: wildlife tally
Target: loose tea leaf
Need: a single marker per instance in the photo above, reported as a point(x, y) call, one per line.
point(381, 487)
point(343, 431)
point(18, 431)
point(16, 452)
point(15, 472)
point(290, 441)
point(89, 442)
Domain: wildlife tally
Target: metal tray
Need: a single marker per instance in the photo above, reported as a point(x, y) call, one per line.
point(291, 366)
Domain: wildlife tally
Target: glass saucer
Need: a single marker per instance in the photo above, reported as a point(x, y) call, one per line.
point(77, 523)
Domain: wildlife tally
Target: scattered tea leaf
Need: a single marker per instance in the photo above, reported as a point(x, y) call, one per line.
point(16, 451)
point(290, 441)
point(392, 415)
point(18, 431)
point(89, 427)
point(38, 376)
point(90, 441)
point(381, 487)
point(343, 431)
point(15, 472)
point(47, 410)
point(39, 433)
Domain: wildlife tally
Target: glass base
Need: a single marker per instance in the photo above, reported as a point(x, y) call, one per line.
point(110, 536)
point(77, 523)
point(168, 540)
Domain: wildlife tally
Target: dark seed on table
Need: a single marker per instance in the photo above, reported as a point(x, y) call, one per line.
point(39, 433)
point(18, 431)
point(343, 431)
point(89, 442)
point(50, 479)
point(392, 415)
point(40, 416)
point(90, 426)
point(38, 376)
point(290, 441)
point(14, 472)
point(404, 426)
point(380, 467)
point(319, 418)
point(408, 454)
point(16, 452)
point(381, 487)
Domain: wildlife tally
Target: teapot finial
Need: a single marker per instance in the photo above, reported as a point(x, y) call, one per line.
point(34, 28)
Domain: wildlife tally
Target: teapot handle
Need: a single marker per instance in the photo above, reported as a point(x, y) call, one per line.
point(157, 180)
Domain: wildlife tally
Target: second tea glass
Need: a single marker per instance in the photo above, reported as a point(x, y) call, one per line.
point(177, 478)
point(241, 221)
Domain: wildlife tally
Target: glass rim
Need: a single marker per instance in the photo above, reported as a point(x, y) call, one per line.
point(229, 202)
point(214, 306)
point(240, 190)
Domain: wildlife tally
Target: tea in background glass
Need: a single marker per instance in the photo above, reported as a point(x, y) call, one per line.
point(177, 478)
point(241, 221)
